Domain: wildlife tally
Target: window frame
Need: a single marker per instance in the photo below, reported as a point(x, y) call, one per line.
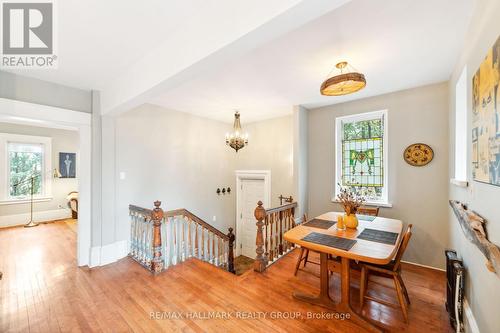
point(46, 142)
point(384, 202)
point(461, 165)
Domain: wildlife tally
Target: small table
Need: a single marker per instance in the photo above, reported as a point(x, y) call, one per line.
point(363, 250)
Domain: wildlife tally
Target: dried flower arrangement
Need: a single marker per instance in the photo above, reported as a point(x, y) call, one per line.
point(350, 199)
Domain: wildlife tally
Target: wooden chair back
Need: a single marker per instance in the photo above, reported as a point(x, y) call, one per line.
point(372, 211)
point(402, 247)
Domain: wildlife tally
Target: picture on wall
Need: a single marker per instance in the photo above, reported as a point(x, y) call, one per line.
point(67, 165)
point(486, 119)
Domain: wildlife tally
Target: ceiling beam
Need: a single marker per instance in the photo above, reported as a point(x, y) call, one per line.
point(188, 53)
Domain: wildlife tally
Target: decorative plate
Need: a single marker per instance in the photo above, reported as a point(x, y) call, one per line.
point(418, 154)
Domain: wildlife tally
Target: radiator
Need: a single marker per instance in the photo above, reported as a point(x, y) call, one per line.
point(455, 274)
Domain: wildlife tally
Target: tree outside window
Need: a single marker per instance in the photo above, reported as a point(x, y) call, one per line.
point(25, 161)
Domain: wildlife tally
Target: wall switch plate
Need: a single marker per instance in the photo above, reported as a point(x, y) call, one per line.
point(122, 175)
point(214, 218)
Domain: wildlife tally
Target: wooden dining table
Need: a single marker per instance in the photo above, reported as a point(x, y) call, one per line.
point(362, 250)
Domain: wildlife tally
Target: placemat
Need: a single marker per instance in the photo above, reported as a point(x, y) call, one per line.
point(331, 241)
point(368, 218)
point(320, 224)
point(379, 236)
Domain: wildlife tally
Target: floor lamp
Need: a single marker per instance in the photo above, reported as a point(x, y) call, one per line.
point(31, 223)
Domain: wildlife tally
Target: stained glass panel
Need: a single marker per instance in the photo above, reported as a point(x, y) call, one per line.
point(362, 157)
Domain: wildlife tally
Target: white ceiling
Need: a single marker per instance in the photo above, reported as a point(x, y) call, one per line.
point(397, 44)
point(100, 40)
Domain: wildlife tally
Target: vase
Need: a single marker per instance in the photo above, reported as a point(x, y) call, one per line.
point(351, 221)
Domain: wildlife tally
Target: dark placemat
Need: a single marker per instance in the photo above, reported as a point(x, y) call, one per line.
point(321, 224)
point(379, 236)
point(368, 218)
point(331, 241)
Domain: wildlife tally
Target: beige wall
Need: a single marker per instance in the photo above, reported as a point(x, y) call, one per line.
point(177, 158)
point(270, 148)
point(182, 159)
point(62, 141)
point(419, 195)
point(482, 286)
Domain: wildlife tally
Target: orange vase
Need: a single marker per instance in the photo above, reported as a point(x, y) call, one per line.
point(351, 221)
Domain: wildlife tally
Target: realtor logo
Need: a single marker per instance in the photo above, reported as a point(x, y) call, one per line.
point(28, 34)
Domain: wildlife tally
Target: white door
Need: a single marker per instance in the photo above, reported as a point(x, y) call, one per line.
point(252, 190)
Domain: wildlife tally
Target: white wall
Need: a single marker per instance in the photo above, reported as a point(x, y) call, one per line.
point(300, 159)
point(62, 141)
point(27, 89)
point(270, 148)
point(419, 194)
point(182, 159)
point(177, 158)
point(482, 286)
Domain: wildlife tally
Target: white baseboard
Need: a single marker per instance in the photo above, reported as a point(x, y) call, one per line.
point(470, 321)
point(425, 266)
point(107, 254)
point(42, 216)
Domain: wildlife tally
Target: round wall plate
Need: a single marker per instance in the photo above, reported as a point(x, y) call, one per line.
point(418, 154)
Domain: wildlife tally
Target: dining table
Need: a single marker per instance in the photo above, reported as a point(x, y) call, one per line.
point(363, 250)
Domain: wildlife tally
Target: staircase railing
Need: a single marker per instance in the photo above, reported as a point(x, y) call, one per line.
point(161, 239)
point(271, 225)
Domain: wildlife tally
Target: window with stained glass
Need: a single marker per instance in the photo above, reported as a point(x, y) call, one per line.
point(360, 148)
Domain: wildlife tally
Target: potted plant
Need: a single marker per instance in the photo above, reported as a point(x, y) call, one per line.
point(350, 201)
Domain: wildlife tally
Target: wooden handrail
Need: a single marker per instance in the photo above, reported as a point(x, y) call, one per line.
point(183, 212)
point(143, 211)
point(281, 208)
point(157, 216)
point(198, 220)
point(271, 225)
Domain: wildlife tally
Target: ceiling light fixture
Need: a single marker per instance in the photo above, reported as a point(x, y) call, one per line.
point(348, 81)
point(237, 139)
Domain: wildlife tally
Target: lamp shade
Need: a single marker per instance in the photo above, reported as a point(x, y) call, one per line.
point(344, 83)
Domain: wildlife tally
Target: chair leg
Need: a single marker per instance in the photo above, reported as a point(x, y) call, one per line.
point(400, 298)
point(405, 292)
point(363, 281)
point(299, 260)
point(306, 257)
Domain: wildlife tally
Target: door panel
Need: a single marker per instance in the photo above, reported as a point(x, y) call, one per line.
point(251, 192)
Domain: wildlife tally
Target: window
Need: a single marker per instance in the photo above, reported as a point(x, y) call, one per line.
point(25, 162)
point(361, 150)
point(24, 157)
point(461, 130)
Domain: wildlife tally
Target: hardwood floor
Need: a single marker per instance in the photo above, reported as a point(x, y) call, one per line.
point(42, 290)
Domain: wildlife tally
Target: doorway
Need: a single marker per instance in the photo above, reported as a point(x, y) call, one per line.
point(252, 186)
point(24, 113)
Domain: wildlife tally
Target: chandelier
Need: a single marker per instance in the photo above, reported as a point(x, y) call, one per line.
point(237, 139)
point(347, 82)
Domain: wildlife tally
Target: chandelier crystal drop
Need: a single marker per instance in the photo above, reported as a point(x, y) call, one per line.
point(237, 139)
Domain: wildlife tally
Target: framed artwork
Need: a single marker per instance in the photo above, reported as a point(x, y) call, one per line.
point(67, 165)
point(486, 119)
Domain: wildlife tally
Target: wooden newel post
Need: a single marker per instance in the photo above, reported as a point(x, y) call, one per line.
point(157, 216)
point(261, 259)
point(230, 255)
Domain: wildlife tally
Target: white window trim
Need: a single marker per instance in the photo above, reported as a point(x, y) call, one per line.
point(338, 154)
point(5, 139)
point(460, 174)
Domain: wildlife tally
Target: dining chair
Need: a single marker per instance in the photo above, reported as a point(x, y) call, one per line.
point(304, 253)
point(372, 211)
point(390, 270)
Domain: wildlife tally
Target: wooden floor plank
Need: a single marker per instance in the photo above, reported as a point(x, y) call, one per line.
point(42, 290)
